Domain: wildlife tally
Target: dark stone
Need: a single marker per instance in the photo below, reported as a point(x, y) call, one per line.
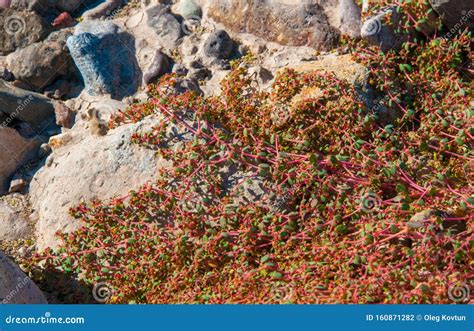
point(219, 45)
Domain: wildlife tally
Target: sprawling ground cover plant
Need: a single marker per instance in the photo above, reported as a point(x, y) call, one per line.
point(341, 181)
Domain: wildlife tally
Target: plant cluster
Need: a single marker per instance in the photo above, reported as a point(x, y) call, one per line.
point(340, 184)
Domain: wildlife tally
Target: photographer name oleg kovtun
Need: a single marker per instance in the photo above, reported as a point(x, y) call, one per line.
point(443, 317)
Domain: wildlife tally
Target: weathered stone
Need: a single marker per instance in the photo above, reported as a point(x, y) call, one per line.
point(19, 29)
point(27, 106)
point(17, 185)
point(105, 56)
point(15, 286)
point(99, 167)
point(219, 45)
point(160, 65)
point(455, 14)
point(295, 23)
point(14, 152)
point(64, 115)
point(41, 63)
point(166, 26)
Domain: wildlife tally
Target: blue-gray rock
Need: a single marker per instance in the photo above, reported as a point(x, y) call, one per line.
point(105, 56)
point(219, 45)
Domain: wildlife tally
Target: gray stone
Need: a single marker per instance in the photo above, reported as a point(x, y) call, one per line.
point(15, 286)
point(219, 45)
point(160, 65)
point(105, 56)
point(166, 26)
point(26, 106)
point(455, 14)
point(19, 29)
point(41, 63)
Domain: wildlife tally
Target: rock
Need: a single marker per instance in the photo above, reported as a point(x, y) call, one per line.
point(64, 20)
point(58, 89)
point(41, 7)
point(19, 29)
point(15, 286)
point(379, 33)
point(17, 185)
point(219, 45)
point(14, 152)
point(166, 26)
point(455, 14)
point(105, 56)
point(381, 29)
point(44, 150)
point(344, 15)
point(64, 115)
point(26, 106)
point(342, 66)
point(189, 9)
point(12, 225)
point(288, 22)
point(160, 65)
point(104, 9)
point(41, 63)
point(99, 167)
point(449, 220)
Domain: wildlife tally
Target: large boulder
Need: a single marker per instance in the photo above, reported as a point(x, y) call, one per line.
point(19, 29)
point(19, 104)
point(455, 14)
point(290, 22)
point(105, 56)
point(14, 152)
point(15, 286)
point(83, 167)
point(41, 63)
